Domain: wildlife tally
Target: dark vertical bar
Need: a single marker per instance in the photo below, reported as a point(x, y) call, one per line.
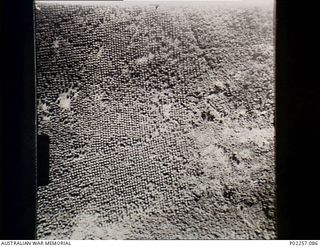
point(18, 140)
point(43, 160)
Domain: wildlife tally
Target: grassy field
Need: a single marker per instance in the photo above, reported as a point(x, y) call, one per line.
point(160, 119)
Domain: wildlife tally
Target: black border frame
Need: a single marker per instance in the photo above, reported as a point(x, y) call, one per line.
point(18, 125)
point(297, 107)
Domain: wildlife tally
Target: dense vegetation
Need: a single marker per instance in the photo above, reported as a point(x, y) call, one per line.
point(160, 120)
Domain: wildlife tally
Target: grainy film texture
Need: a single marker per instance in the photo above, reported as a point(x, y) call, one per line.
point(160, 118)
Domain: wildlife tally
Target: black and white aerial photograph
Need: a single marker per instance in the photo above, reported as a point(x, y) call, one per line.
point(160, 116)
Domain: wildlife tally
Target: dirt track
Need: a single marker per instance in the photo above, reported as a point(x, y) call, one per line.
point(160, 121)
